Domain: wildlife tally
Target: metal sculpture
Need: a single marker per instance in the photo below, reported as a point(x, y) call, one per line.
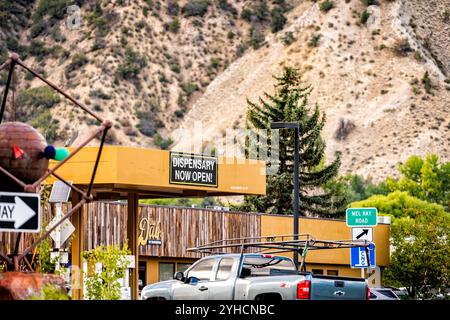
point(24, 157)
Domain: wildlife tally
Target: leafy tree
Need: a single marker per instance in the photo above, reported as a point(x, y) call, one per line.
point(421, 239)
point(426, 179)
point(351, 188)
point(290, 103)
point(104, 284)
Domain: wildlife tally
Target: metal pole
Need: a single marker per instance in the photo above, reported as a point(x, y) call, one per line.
point(296, 192)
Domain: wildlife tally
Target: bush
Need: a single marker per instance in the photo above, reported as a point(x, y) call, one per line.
point(148, 123)
point(133, 64)
point(189, 88)
point(314, 41)
point(257, 39)
point(37, 48)
point(402, 47)
point(78, 60)
point(426, 81)
point(173, 8)
point(159, 141)
point(225, 6)
point(326, 5)
point(195, 8)
point(364, 17)
point(38, 97)
point(261, 11)
point(246, 14)
point(98, 93)
point(278, 20)
point(288, 38)
point(48, 125)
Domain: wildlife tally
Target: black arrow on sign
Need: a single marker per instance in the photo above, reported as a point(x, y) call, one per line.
point(365, 232)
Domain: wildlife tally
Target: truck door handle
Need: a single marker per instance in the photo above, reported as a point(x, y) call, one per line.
point(203, 288)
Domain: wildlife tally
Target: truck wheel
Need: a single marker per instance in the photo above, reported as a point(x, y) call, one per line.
point(155, 299)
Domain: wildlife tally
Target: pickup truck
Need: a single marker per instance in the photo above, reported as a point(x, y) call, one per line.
point(253, 277)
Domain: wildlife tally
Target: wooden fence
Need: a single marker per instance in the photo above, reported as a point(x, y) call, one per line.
point(178, 228)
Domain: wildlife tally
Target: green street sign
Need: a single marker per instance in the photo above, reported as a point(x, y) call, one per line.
point(361, 217)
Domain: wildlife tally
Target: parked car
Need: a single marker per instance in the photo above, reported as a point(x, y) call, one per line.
point(253, 277)
point(383, 294)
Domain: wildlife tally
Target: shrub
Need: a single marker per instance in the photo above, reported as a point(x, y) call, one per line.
point(345, 128)
point(148, 122)
point(402, 47)
point(195, 8)
point(45, 121)
point(38, 28)
point(261, 11)
point(426, 81)
point(78, 60)
point(98, 93)
point(278, 20)
point(364, 17)
point(159, 141)
point(326, 5)
point(230, 35)
point(173, 8)
point(133, 64)
point(246, 14)
point(174, 26)
point(256, 39)
point(38, 97)
point(288, 38)
point(225, 6)
point(189, 88)
point(314, 40)
point(37, 48)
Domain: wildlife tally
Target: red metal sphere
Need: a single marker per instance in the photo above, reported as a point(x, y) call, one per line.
point(31, 165)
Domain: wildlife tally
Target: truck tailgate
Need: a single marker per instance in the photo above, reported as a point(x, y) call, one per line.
point(338, 288)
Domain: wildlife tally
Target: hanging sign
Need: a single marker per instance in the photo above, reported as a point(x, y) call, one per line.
point(193, 169)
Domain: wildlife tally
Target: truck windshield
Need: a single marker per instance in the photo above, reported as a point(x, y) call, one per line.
point(261, 265)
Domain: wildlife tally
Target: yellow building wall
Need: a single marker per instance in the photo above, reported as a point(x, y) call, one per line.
point(152, 272)
point(327, 229)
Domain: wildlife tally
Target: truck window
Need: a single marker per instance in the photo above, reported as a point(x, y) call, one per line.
point(261, 265)
point(224, 270)
point(202, 270)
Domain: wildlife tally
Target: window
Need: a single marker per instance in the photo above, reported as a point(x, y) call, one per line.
point(224, 270)
point(261, 265)
point(202, 270)
point(166, 271)
point(182, 267)
point(142, 274)
point(317, 271)
point(332, 272)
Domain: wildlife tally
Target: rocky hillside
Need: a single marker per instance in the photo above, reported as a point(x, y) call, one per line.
point(159, 68)
point(380, 72)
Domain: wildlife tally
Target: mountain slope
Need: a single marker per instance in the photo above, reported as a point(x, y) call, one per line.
point(363, 74)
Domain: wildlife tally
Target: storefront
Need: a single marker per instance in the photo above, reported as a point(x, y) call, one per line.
point(166, 232)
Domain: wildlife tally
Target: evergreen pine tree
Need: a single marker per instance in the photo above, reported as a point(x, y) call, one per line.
point(290, 104)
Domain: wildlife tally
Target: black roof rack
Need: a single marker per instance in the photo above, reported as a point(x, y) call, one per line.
point(277, 244)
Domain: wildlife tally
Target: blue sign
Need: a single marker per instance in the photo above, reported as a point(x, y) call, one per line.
point(358, 257)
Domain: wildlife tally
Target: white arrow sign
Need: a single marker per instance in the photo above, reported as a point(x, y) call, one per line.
point(18, 212)
point(361, 233)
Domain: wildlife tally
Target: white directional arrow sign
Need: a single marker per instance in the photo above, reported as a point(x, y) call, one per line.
point(19, 212)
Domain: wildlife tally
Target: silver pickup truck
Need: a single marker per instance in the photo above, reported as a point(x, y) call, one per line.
point(253, 277)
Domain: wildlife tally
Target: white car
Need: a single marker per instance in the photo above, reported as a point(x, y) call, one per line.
point(383, 294)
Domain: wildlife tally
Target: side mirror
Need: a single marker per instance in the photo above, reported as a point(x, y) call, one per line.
point(179, 276)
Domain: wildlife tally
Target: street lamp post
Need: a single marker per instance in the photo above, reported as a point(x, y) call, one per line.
point(296, 127)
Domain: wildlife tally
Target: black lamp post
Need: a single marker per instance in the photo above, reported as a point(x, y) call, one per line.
point(296, 127)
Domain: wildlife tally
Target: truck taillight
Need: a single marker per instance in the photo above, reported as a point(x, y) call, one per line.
point(303, 288)
point(368, 294)
point(270, 256)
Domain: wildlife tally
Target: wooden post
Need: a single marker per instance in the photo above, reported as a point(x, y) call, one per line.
point(77, 248)
point(133, 208)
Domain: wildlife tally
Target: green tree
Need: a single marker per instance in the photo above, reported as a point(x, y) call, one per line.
point(351, 188)
point(104, 285)
point(420, 234)
point(290, 103)
point(426, 179)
